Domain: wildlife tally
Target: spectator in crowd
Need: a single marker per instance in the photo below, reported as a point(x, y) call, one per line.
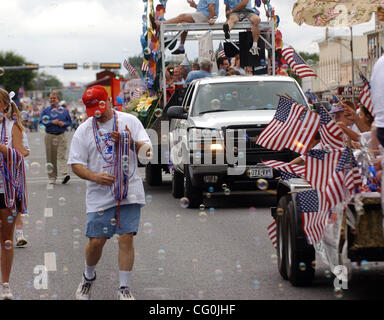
point(249, 71)
point(235, 64)
point(238, 10)
point(35, 118)
point(205, 71)
point(222, 65)
point(206, 12)
point(56, 120)
point(232, 72)
point(195, 66)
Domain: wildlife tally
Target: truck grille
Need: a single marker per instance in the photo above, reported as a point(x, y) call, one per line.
point(254, 153)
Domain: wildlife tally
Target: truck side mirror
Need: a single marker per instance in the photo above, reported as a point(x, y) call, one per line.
point(177, 112)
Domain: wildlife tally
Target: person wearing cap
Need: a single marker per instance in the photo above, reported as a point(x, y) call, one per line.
point(115, 192)
point(56, 119)
point(205, 71)
point(206, 12)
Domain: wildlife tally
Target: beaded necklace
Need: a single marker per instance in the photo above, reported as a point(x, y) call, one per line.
point(96, 133)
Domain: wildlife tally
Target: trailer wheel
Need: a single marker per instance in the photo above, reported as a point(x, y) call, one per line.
point(177, 184)
point(299, 254)
point(281, 234)
point(153, 174)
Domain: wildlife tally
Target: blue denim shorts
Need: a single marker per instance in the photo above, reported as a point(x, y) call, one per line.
point(104, 224)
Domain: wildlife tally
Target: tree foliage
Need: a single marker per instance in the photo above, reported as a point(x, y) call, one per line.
point(45, 81)
point(12, 80)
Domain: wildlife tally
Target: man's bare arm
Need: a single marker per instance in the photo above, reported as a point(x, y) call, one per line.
point(102, 178)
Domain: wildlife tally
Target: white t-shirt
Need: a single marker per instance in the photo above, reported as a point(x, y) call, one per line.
point(84, 151)
point(377, 92)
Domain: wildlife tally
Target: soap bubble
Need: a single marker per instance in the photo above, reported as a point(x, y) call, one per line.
point(211, 189)
point(161, 254)
point(215, 104)
point(256, 284)
point(105, 230)
point(227, 191)
point(62, 201)
point(76, 233)
point(158, 112)
point(76, 244)
point(113, 222)
point(102, 105)
point(252, 211)
point(302, 266)
point(100, 211)
point(39, 225)
point(54, 113)
point(35, 168)
point(219, 275)
point(147, 228)
point(97, 114)
point(184, 202)
point(148, 198)
point(8, 244)
point(202, 207)
point(10, 219)
point(262, 184)
point(338, 292)
point(45, 120)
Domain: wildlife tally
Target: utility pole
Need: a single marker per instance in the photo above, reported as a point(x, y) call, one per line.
point(353, 67)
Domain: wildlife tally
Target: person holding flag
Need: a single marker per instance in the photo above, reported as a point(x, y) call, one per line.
point(104, 152)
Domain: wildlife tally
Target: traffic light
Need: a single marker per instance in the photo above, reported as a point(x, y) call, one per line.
point(70, 65)
point(110, 65)
point(31, 66)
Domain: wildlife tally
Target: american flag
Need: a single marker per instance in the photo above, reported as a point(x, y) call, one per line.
point(293, 169)
point(136, 93)
point(292, 127)
point(272, 233)
point(297, 64)
point(344, 180)
point(221, 52)
point(287, 175)
point(330, 132)
point(129, 68)
point(365, 95)
point(320, 166)
point(314, 209)
point(145, 66)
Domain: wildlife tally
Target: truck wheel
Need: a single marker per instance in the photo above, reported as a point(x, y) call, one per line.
point(177, 184)
point(299, 254)
point(194, 194)
point(153, 174)
point(281, 236)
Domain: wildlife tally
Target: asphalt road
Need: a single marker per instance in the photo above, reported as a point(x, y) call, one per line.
point(223, 253)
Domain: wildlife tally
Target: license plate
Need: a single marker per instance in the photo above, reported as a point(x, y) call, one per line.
point(260, 173)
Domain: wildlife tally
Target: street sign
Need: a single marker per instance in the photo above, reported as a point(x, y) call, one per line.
point(31, 66)
point(110, 65)
point(95, 66)
point(70, 65)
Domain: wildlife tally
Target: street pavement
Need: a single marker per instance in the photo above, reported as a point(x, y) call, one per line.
point(219, 253)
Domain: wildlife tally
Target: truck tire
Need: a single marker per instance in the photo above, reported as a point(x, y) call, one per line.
point(177, 184)
point(299, 254)
point(281, 236)
point(194, 194)
point(153, 174)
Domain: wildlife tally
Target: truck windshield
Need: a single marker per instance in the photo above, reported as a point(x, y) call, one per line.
point(233, 96)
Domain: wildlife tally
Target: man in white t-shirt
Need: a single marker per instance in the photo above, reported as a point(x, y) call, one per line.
point(93, 157)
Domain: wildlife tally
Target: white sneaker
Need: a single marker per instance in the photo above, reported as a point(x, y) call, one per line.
point(83, 292)
point(254, 51)
point(6, 293)
point(125, 294)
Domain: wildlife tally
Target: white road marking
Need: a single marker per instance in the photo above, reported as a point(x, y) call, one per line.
point(48, 212)
point(50, 261)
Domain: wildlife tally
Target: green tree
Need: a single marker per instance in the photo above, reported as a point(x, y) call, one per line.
point(12, 80)
point(45, 81)
point(136, 62)
point(309, 57)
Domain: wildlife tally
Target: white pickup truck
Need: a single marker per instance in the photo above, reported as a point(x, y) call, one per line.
point(213, 135)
